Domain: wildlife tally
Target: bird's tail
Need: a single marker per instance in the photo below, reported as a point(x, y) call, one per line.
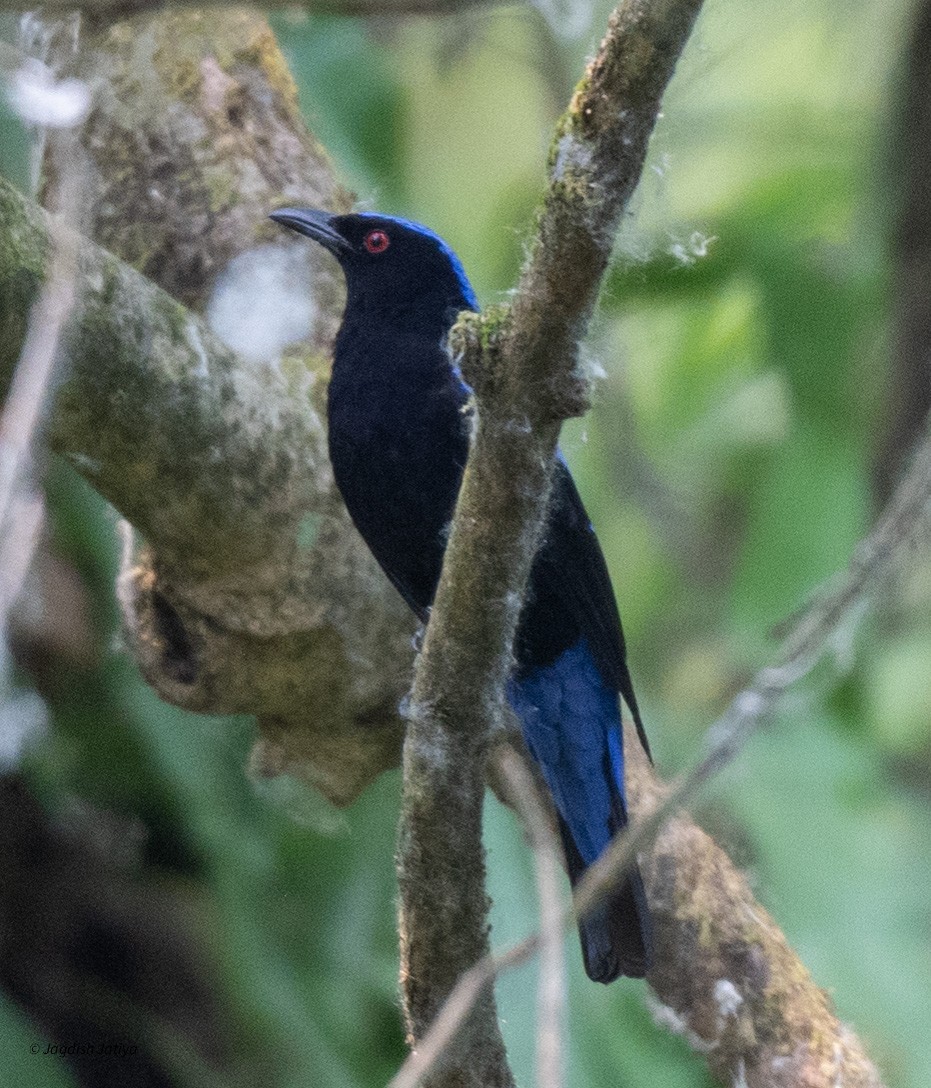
point(616, 934)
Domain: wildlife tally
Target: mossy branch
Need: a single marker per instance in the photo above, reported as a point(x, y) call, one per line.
point(204, 477)
point(726, 978)
point(522, 363)
point(220, 463)
point(291, 619)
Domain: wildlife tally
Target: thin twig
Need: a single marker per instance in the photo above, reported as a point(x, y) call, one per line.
point(21, 505)
point(456, 1008)
point(425, 1054)
point(524, 794)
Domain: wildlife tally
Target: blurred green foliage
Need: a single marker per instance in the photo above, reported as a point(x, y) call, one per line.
point(743, 339)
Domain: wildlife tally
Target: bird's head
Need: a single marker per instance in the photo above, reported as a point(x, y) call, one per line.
point(395, 269)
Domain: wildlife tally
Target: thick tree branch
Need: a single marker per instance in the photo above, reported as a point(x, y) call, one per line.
point(128, 332)
point(256, 595)
point(222, 462)
point(522, 364)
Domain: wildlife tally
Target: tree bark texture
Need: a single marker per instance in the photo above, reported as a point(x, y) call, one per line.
point(245, 596)
point(727, 979)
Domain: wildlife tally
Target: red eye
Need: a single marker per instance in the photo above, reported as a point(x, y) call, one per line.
point(376, 241)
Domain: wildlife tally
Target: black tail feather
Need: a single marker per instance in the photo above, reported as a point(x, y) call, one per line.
point(616, 935)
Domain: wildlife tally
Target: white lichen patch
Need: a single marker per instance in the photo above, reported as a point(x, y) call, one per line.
point(41, 99)
point(727, 998)
point(666, 1017)
point(513, 601)
point(589, 367)
point(262, 301)
point(571, 154)
point(431, 750)
point(518, 425)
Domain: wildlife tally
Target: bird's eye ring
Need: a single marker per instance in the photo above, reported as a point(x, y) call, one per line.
point(376, 241)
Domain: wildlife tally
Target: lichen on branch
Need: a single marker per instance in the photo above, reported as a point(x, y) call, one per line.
point(194, 137)
point(220, 464)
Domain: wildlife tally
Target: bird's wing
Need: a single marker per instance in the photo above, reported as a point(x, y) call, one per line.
point(411, 564)
point(570, 570)
point(403, 584)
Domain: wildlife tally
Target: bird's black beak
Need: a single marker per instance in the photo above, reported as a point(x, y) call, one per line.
point(315, 224)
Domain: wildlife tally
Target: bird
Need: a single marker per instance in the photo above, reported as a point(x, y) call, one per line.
point(399, 431)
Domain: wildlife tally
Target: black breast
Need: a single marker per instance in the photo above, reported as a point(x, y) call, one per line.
point(398, 442)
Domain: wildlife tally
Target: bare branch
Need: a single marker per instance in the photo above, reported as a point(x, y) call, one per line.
point(537, 819)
